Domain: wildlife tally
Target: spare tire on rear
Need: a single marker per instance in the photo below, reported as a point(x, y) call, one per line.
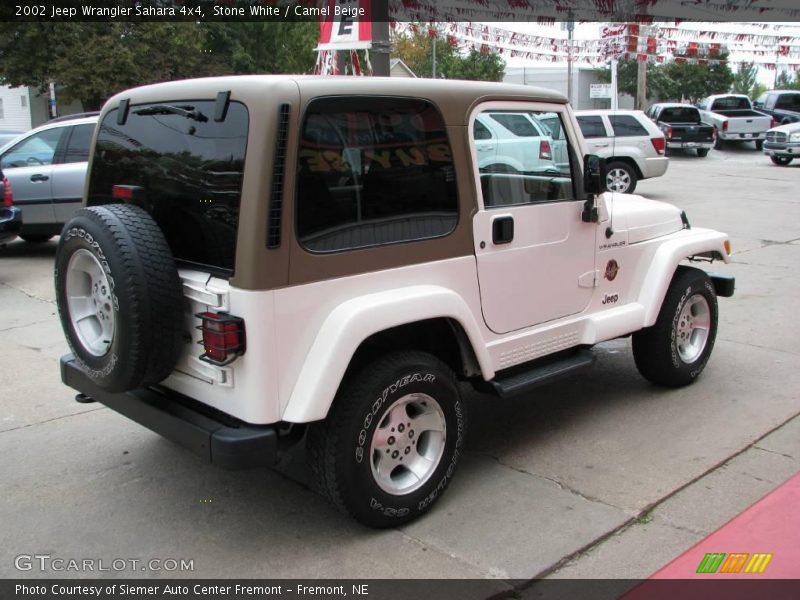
point(119, 296)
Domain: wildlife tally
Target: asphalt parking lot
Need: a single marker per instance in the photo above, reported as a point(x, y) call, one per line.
point(601, 476)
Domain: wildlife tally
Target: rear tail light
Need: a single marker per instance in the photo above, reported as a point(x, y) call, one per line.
point(724, 126)
point(8, 195)
point(772, 123)
point(132, 194)
point(659, 143)
point(545, 152)
point(669, 133)
point(223, 337)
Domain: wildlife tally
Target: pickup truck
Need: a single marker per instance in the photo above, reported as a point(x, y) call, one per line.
point(682, 126)
point(735, 119)
point(781, 105)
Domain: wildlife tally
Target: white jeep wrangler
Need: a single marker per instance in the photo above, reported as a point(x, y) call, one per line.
point(268, 259)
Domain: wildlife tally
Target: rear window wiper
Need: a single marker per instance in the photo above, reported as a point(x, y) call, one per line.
point(167, 109)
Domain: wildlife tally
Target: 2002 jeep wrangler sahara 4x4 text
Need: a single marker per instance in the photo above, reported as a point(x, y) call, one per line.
point(265, 259)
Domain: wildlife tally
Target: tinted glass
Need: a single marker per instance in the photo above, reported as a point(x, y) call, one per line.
point(189, 171)
point(480, 131)
point(524, 170)
point(788, 102)
point(519, 125)
point(626, 126)
point(373, 171)
point(592, 127)
point(731, 103)
point(78, 145)
point(680, 114)
point(36, 150)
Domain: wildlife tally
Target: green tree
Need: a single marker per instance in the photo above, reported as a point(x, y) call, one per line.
point(415, 48)
point(745, 78)
point(627, 78)
point(262, 47)
point(694, 81)
point(758, 89)
point(785, 81)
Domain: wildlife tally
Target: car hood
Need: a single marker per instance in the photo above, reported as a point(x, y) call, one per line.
point(788, 128)
point(642, 219)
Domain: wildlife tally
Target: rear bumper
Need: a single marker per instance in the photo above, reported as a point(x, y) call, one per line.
point(654, 167)
point(681, 144)
point(225, 442)
point(742, 137)
point(10, 223)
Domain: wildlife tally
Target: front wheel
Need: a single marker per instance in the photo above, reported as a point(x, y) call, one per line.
point(675, 350)
point(781, 161)
point(392, 439)
point(621, 178)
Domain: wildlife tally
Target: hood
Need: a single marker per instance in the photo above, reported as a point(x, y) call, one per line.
point(642, 219)
point(788, 128)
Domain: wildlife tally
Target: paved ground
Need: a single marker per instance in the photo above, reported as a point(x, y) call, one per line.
point(604, 476)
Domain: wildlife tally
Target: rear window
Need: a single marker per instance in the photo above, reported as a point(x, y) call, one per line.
point(680, 114)
point(626, 126)
point(519, 125)
point(592, 127)
point(731, 103)
point(190, 170)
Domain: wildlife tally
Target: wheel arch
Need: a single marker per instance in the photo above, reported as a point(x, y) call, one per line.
point(631, 162)
point(428, 318)
point(667, 259)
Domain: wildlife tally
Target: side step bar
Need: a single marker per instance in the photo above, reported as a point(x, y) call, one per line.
point(540, 374)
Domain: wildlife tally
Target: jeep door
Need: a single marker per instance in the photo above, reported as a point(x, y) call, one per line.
point(535, 256)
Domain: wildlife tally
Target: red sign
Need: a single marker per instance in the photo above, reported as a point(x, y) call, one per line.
point(345, 25)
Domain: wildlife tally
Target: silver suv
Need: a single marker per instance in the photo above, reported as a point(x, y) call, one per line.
point(633, 146)
point(47, 169)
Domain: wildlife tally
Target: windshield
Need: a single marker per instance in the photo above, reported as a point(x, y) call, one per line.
point(731, 103)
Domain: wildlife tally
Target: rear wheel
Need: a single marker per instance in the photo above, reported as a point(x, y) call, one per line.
point(675, 350)
point(621, 178)
point(119, 297)
point(780, 160)
point(702, 152)
point(386, 461)
point(759, 144)
point(719, 143)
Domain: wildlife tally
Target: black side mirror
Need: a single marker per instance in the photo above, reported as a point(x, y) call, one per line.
point(594, 174)
point(594, 182)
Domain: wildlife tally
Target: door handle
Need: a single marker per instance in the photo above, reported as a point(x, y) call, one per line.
point(600, 145)
point(39, 177)
point(502, 230)
point(485, 148)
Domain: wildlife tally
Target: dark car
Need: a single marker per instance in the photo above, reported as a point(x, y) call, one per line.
point(683, 127)
point(10, 215)
point(781, 105)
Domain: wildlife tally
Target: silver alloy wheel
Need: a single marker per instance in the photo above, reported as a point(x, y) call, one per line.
point(408, 444)
point(618, 180)
point(89, 302)
point(692, 328)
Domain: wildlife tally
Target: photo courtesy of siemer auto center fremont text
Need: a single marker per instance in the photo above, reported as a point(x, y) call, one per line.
point(430, 299)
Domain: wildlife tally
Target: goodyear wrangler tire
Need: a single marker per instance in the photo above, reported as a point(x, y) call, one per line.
point(675, 350)
point(392, 440)
point(119, 296)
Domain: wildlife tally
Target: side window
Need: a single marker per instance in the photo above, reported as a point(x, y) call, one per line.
point(373, 171)
point(78, 144)
point(627, 126)
point(518, 124)
point(592, 127)
point(36, 150)
point(788, 102)
point(518, 170)
point(480, 131)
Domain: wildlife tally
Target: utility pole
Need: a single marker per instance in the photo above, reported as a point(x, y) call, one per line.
point(614, 92)
point(641, 69)
point(380, 38)
point(570, 29)
point(433, 58)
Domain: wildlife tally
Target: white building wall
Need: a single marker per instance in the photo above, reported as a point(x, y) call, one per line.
point(15, 113)
point(555, 78)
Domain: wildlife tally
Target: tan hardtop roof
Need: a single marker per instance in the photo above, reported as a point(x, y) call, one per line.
point(453, 97)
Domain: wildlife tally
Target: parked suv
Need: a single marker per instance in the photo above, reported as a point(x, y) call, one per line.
point(328, 264)
point(47, 170)
point(631, 143)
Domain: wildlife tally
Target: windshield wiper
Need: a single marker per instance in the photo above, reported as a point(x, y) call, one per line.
point(168, 109)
